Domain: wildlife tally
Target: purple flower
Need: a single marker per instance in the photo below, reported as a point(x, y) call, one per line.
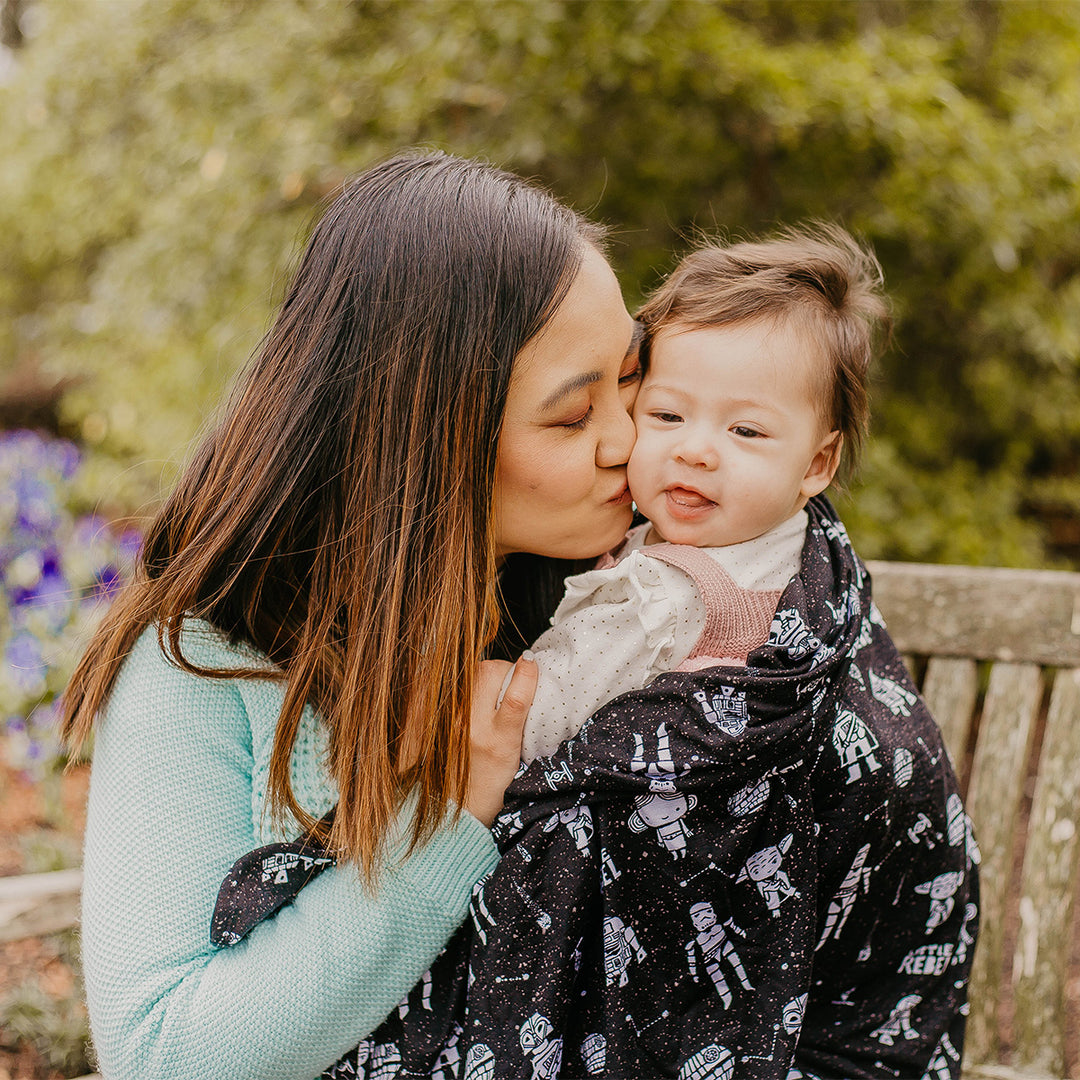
point(33, 745)
point(52, 595)
point(55, 570)
point(51, 561)
point(64, 457)
point(106, 581)
point(38, 512)
point(90, 530)
point(20, 443)
point(24, 658)
point(129, 545)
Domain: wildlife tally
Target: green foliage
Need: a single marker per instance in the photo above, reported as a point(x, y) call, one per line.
point(46, 850)
point(163, 159)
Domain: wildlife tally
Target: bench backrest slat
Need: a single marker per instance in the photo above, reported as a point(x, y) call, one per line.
point(998, 771)
point(1041, 964)
point(950, 688)
point(987, 613)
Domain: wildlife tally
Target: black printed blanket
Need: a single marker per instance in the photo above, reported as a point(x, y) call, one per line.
point(731, 874)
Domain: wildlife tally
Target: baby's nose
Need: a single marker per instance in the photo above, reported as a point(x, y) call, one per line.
point(698, 451)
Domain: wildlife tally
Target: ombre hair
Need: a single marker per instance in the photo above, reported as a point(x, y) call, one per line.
point(816, 279)
point(339, 516)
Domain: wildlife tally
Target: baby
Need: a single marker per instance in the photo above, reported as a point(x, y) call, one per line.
point(756, 358)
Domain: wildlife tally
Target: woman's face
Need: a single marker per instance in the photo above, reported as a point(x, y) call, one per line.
point(560, 488)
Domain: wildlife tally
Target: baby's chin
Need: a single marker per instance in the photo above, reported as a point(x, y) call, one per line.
point(677, 532)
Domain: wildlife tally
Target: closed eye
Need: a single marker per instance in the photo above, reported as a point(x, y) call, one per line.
point(579, 424)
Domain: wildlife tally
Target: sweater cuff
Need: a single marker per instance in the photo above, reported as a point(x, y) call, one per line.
point(445, 869)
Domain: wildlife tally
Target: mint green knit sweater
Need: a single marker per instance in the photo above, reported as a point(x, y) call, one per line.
point(176, 796)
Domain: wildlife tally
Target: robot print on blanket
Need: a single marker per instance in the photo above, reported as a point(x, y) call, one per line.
point(664, 806)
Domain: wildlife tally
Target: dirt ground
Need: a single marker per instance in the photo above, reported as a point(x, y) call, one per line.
point(21, 815)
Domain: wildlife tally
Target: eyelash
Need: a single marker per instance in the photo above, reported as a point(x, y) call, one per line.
point(624, 380)
point(578, 425)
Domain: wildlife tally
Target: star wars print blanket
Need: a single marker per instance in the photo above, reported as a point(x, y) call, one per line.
point(732, 874)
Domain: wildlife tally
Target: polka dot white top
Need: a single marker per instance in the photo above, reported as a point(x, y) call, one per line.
point(620, 626)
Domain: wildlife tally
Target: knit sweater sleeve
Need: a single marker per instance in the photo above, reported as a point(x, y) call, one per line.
point(170, 810)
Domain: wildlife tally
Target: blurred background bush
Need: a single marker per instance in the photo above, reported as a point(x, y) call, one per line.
point(161, 161)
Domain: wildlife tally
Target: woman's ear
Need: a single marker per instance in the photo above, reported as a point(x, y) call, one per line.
point(823, 465)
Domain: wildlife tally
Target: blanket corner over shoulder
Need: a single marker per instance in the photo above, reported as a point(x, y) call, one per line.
point(731, 874)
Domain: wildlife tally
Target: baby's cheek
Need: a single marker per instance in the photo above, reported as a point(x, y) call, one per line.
point(637, 471)
point(647, 449)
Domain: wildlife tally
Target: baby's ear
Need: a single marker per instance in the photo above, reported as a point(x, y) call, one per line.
point(823, 465)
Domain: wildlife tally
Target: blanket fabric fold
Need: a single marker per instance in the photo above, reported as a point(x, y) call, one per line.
point(732, 874)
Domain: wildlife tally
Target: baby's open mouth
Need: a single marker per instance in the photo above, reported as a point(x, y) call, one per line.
point(692, 500)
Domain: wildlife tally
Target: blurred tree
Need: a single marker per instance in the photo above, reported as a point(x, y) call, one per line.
point(162, 159)
point(11, 34)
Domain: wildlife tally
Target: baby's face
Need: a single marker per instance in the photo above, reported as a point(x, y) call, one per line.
point(730, 440)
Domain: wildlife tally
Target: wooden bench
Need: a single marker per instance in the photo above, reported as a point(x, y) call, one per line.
point(997, 655)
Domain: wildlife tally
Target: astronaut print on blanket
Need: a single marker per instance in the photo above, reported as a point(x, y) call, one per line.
point(731, 874)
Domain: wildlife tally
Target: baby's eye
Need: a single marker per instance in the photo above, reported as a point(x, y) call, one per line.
point(745, 432)
point(667, 417)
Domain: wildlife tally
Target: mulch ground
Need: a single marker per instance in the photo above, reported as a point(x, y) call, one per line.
point(22, 815)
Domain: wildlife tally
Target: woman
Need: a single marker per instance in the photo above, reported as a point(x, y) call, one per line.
point(446, 383)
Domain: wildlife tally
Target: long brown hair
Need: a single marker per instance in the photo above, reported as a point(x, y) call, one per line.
point(338, 518)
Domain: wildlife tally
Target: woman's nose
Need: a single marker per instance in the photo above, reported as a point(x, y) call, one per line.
point(616, 440)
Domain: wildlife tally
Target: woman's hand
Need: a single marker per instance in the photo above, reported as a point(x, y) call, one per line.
point(495, 734)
